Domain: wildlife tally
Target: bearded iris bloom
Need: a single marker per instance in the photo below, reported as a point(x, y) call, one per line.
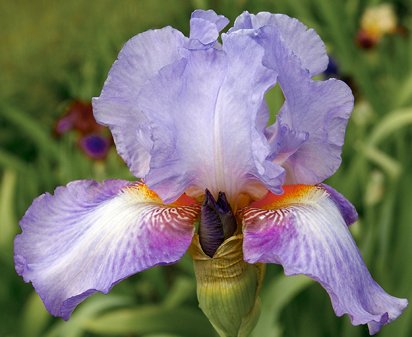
point(188, 116)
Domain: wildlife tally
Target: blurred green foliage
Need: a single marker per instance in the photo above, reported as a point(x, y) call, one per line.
point(57, 51)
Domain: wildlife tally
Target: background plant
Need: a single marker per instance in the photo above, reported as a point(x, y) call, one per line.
point(54, 52)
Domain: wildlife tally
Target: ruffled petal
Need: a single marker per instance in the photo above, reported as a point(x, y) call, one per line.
point(320, 109)
point(203, 114)
point(304, 231)
point(284, 141)
point(205, 27)
point(88, 236)
point(140, 59)
point(303, 42)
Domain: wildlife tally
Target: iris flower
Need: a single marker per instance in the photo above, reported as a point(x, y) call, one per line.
point(376, 22)
point(189, 117)
point(92, 138)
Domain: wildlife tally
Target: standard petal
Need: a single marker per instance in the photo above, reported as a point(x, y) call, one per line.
point(303, 42)
point(205, 27)
point(304, 231)
point(320, 109)
point(88, 236)
point(203, 114)
point(284, 141)
point(140, 59)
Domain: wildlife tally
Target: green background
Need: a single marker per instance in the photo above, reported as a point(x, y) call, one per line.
point(55, 51)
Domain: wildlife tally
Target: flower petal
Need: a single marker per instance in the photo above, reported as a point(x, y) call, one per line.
point(347, 210)
point(205, 27)
point(318, 108)
point(203, 114)
point(284, 141)
point(88, 236)
point(304, 231)
point(140, 59)
point(303, 42)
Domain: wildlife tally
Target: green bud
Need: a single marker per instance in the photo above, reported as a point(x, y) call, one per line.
point(228, 287)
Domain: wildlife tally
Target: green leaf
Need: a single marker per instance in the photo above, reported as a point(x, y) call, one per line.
point(274, 298)
point(10, 161)
point(8, 223)
point(185, 322)
point(87, 311)
point(32, 129)
point(390, 124)
point(182, 289)
point(391, 166)
point(35, 317)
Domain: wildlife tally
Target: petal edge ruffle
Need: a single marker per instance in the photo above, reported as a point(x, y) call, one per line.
point(140, 59)
point(306, 233)
point(305, 43)
point(88, 236)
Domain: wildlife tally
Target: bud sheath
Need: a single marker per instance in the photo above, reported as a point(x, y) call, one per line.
point(227, 287)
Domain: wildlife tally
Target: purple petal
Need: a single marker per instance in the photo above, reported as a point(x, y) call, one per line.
point(284, 141)
point(262, 117)
point(88, 236)
point(205, 27)
point(140, 59)
point(303, 42)
point(304, 231)
point(347, 210)
point(203, 114)
point(319, 109)
point(322, 110)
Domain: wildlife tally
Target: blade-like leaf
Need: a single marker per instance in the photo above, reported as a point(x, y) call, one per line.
point(184, 322)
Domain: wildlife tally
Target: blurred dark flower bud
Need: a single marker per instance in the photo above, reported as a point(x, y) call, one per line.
point(95, 146)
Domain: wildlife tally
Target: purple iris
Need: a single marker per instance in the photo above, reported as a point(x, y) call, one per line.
point(188, 115)
point(96, 146)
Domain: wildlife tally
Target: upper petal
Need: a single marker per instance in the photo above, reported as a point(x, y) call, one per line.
point(140, 59)
point(88, 236)
point(202, 111)
point(205, 27)
point(320, 109)
point(305, 232)
point(284, 141)
point(303, 42)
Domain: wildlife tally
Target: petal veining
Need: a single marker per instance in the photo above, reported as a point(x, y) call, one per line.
point(306, 233)
point(88, 236)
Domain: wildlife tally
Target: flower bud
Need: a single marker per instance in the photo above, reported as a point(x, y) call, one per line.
point(228, 287)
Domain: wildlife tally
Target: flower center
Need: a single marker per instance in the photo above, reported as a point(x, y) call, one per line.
point(217, 222)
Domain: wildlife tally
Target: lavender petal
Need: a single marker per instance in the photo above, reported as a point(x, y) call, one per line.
point(88, 236)
point(303, 42)
point(203, 110)
point(204, 28)
point(141, 59)
point(319, 109)
point(305, 232)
